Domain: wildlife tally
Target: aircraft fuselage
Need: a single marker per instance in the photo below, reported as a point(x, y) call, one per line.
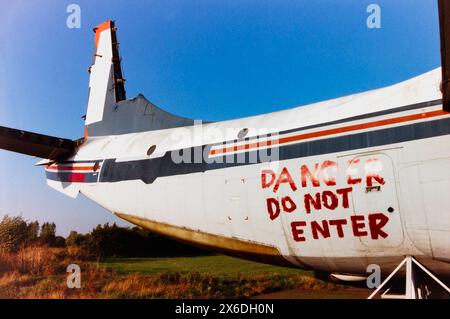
point(334, 187)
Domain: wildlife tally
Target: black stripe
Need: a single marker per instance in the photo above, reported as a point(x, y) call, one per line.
point(150, 169)
point(348, 119)
point(64, 177)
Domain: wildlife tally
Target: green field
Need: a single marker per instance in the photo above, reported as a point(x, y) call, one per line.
point(219, 266)
point(232, 277)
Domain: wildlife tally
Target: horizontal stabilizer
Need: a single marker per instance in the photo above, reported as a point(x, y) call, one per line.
point(34, 144)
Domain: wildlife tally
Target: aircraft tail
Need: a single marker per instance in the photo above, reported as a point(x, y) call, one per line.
point(106, 88)
point(108, 111)
point(106, 83)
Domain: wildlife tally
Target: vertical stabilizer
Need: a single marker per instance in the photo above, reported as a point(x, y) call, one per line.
point(106, 84)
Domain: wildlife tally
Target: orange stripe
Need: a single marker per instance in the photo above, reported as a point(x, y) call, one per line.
point(338, 130)
point(72, 168)
point(101, 27)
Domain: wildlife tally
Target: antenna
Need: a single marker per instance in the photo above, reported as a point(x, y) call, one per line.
point(119, 81)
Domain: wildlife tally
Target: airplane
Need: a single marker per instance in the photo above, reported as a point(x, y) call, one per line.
point(334, 186)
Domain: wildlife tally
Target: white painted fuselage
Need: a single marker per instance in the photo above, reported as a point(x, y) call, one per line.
point(356, 180)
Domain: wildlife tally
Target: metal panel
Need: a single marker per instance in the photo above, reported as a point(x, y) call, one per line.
point(237, 212)
point(435, 183)
point(381, 198)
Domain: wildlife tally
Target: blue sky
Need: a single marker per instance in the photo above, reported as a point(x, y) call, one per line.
point(204, 59)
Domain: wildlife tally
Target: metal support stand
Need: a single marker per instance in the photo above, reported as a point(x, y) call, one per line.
point(412, 289)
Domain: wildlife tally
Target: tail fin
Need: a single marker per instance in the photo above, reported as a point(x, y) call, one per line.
point(106, 84)
point(109, 112)
point(106, 88)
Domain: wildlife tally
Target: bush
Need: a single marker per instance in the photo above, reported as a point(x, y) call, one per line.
point(75, 239)
point(32, 260)
point(13, 233)
point(114, 241)
point(48, 234)
point(103, 241)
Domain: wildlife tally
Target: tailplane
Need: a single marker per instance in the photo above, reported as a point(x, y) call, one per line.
point(34, 144)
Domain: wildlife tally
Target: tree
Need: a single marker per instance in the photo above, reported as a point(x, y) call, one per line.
point(13, 233)
point(71, 240)
point(114, 241)
point(59, 242)
point(48, 234)
point(32, 232)
point(75, 239)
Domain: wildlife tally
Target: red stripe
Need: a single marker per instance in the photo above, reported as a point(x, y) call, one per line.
point(337, 130)
point(75, 177)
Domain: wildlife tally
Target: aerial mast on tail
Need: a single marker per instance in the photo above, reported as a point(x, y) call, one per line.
point(119, 81)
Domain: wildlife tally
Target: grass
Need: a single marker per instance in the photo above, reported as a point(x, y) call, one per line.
point(40, 272)
point(212, 276)
point(219, 266)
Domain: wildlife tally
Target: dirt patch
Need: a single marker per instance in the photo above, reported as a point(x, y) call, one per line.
point(298, 293)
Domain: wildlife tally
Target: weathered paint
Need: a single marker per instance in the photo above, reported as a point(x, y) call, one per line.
point(336, 199)
point(230, 246)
